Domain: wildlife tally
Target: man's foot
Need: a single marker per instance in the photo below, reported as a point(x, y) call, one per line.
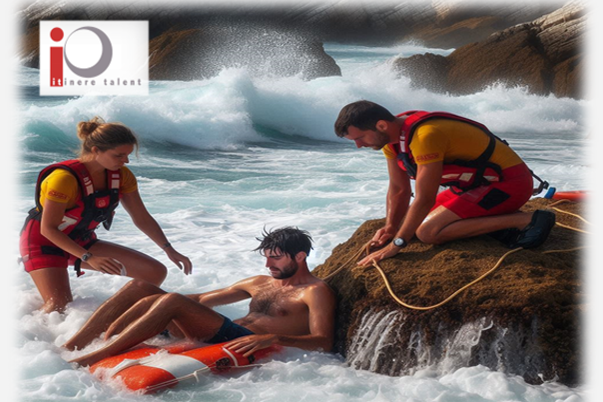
point(536, 232)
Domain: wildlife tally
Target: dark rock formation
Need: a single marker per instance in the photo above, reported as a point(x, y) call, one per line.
point(523, 319)
point(456, 24)
point(202, 31)
point(544, 55)
point(202, 53)
point(189, 42)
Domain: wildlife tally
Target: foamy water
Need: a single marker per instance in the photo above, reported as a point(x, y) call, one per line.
point(225, 157)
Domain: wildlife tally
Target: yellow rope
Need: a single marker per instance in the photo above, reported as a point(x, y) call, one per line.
point(571, 228)
point(374, 264)
point(569, 213)
point(452, 296)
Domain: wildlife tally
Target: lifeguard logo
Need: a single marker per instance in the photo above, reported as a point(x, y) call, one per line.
point(427, 157)
point(94, 57)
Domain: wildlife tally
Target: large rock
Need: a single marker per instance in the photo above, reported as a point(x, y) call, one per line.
point(545, 55)
point(191, 54)
point(194, 42)
point(523, 319)
point(458, 23)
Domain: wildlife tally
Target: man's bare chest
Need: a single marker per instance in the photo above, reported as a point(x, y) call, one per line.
point(278, 302)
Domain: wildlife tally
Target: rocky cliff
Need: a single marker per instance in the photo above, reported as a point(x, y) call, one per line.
point(545, 55)
point(523, 319)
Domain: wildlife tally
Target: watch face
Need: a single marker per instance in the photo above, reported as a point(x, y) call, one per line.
point(399, 242)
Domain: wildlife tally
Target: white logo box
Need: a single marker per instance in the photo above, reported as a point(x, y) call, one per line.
point(96, 58)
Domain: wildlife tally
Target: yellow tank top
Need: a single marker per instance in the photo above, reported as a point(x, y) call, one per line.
point(448, 140)
point(61, 186)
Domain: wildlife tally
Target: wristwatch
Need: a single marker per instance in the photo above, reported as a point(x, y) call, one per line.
point(86, 256)
point(400, 242)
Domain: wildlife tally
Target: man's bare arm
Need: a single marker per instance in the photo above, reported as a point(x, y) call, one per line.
point(396, 203)
point(239, 291)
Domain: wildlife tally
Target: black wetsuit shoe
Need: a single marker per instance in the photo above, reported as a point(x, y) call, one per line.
point(506, 236)
point(537, 230)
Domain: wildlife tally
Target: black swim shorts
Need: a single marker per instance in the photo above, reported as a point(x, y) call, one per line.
point(229, 331)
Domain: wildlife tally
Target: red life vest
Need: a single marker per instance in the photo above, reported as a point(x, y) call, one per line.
point(92, 207)
point(460, 175)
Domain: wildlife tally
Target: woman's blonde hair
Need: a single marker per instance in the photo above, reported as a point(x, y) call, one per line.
point(104, 136)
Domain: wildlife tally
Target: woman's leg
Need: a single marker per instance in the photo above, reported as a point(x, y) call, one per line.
point(137, 264)
point(53, 285)
point(110, 310)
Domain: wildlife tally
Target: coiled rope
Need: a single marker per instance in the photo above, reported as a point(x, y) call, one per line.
point(366, 249)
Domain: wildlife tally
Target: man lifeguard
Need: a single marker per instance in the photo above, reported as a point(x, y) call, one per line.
point(487, 181)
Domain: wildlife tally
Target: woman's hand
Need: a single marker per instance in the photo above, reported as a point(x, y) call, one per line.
point(386, 252)
point(107, 265)
point(183, 262)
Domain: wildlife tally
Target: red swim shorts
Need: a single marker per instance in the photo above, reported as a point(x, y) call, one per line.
point(38, 252)
point(498, 198)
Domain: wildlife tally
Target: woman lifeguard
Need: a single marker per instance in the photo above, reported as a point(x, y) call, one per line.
point(73, 198)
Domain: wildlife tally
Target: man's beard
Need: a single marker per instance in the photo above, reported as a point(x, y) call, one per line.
point(286, 272)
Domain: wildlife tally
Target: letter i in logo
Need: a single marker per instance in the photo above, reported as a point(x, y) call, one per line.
point(56, 59)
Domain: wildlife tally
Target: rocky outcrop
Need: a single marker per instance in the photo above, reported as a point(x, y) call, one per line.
point(189, 42)
point(524, 319)
point(545, 55)
point(459, 23)
point(202, 53)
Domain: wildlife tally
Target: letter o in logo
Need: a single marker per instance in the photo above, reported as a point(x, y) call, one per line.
point(102, 63)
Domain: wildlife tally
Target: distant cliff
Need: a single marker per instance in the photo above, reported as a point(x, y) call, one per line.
point(545, 55)
point(524, 319)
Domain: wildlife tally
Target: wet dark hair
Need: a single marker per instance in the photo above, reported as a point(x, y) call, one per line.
point(289, 240)
point(362, 114)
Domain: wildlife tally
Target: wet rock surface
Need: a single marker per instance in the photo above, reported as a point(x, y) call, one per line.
point(523, 319)
point(546, 56)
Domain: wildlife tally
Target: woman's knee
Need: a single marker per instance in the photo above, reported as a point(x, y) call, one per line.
point(158, 273)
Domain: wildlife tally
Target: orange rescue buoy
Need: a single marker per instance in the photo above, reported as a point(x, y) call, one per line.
point(577, 195)
point(151, 369)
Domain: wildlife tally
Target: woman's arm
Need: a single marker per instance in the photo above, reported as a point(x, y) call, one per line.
point(52, 216)
point(143, 220)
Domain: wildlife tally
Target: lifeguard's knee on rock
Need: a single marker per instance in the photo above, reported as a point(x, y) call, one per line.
point(428, 235)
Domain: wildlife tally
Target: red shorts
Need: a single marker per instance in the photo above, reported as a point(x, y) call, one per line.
point(496, 199)
point(38, 252)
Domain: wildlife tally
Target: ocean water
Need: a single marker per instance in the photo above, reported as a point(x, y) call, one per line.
point(225, 157)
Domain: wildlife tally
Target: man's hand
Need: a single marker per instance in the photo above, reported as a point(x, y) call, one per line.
point(379, 255)
point(248, 345)
point(383, 235)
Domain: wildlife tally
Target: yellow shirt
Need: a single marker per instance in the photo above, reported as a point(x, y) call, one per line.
point(448, 140)
point(62, 186)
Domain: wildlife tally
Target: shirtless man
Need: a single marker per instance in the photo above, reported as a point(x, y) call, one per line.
point(291, 307)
